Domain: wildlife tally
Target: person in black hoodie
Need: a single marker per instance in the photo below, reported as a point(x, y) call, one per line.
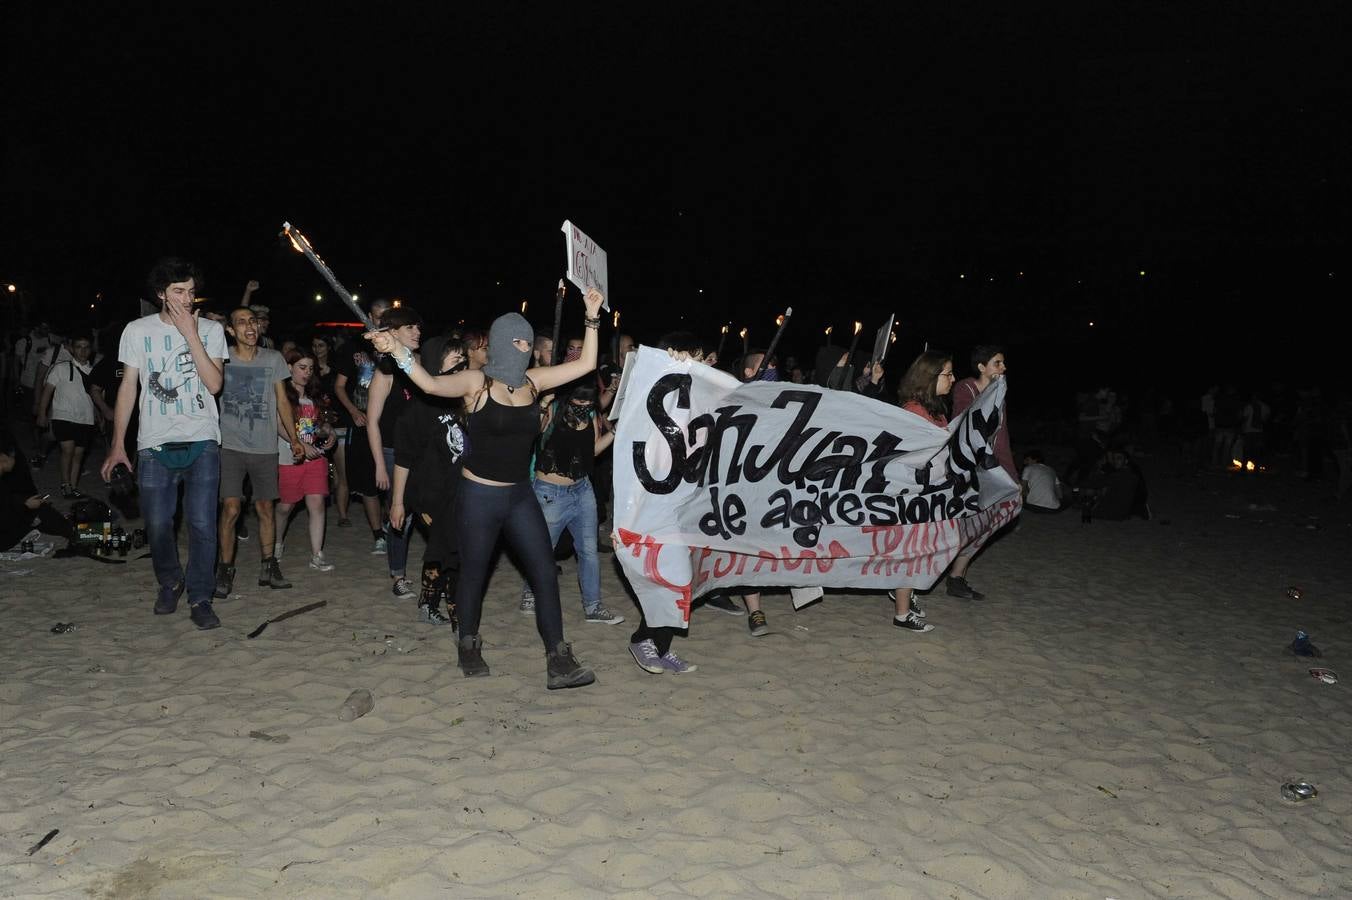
point(430, 442)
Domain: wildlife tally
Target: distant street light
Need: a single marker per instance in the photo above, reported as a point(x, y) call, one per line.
point(12, 288)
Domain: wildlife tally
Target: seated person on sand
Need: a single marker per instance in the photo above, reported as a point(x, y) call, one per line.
point(1042, 489)
point(1119, 489)
point(21, 507)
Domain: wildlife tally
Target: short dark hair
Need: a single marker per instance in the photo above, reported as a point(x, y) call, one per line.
point(230, 316)
point(982, 353)
point(400, 316)
point(681, 342)
point(1035, 455)
point(171, 270)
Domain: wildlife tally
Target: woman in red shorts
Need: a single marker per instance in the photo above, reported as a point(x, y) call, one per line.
point(306, 478)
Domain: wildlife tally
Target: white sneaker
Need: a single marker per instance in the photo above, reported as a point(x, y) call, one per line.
point(319, 564)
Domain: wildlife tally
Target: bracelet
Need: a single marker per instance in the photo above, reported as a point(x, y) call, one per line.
point(406, 363)
point(592, 321)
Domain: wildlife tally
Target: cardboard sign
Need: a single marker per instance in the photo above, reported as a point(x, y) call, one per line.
point(884, 339)
point(586, 262)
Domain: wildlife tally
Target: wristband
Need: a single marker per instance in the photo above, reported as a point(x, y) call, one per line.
point(592, 321)
point(406, 363)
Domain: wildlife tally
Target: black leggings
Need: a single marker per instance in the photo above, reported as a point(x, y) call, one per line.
point(482, 512)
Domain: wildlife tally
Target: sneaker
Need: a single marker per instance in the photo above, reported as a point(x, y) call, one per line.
point(470, 652)
point(958, 587)
point(270, 575)
point(645, 654)
point(379, 547)
point(166, 603)
point(402, 588)
point(604, 616)
point(527, 605)
point(758, 624)
point(433, 615)
point(203, 616)
point(241, 528)
point(911, 622)
point(914, 607)
point(564, 671)
point(320, 564)
point(673, 663)
point(723, 604)
point(225, 581)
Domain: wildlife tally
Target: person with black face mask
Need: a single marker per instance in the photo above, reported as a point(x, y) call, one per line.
point(569, 445)
point(430, 442)
point(495, 495)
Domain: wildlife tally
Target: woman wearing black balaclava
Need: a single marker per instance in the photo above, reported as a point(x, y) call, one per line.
point(495, 493)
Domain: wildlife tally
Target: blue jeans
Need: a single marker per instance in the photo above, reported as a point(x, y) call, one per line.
point(396, 542)
point(159, 499)
point(573, 506)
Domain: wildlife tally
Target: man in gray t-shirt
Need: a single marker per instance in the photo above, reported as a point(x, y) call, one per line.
point(254, 410)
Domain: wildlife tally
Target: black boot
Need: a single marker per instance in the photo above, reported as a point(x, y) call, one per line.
point(470, 650)
point(564, 671)
point(225, 581)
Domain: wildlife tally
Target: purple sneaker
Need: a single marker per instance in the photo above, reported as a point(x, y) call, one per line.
point(645, 654)
point(674, 663)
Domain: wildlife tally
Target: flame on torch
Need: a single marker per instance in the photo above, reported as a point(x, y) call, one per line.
point(779, 319)
point(523, 307)
point(857, 326)
point(725, 329)
point(615, 320)
point(742, 334)
point(828, 330)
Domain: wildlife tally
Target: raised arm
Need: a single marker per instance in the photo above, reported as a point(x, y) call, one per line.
point(460, 384)
point(547, 377)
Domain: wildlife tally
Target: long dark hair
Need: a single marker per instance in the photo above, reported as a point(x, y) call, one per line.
point(314, 390)
point(920, 379)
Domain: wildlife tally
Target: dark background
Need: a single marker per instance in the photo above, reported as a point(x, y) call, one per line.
point(987, 174)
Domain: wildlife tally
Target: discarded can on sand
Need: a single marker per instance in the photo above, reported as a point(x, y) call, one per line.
point(1293, 592)
point(1297, 791)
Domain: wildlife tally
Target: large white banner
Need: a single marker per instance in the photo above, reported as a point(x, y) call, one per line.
point(587, 266)
point(721, 484)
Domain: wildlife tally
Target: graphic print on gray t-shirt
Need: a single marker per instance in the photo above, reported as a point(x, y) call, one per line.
point(249, 402)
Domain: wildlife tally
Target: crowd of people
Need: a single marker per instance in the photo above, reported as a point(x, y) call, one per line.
point(467, 437)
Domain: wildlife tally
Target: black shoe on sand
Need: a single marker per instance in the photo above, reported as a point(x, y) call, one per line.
point(564, 670)
point(958, 587)
point(470, 651)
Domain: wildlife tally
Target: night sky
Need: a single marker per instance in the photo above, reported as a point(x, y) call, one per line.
point(846, 160)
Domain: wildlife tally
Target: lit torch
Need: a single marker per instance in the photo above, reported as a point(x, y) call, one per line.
point(743, 334)
point(302, 245)
point(855, 341)
point(722, 336)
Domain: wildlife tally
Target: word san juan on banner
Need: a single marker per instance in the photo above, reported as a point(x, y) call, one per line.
point(819, 469)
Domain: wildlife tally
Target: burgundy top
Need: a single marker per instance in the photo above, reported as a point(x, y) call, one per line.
point(965, 393)
point(911, 406)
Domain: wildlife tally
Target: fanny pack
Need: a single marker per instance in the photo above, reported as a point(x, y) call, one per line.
point(179, 454)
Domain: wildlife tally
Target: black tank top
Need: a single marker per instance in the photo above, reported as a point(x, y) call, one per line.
point(501, 439)
point(568, 452)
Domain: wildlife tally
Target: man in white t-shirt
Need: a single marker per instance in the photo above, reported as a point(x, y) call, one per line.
point(1042, 490)
point(32, 354)
point(177, 362)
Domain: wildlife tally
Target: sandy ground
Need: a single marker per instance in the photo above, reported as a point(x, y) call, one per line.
point(1115, 722)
